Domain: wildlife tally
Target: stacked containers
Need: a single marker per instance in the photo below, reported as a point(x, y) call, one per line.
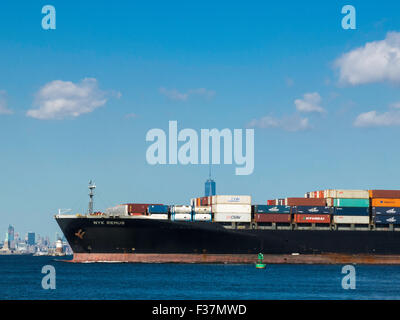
point(231, 208)
point(385, 206)
point(350, 206)
point(310, 210)
point(131, 209)
point(202, 209)
point(181, 213)
point(158, 211)
point(272, 213)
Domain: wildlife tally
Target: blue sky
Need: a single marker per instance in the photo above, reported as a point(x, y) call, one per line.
point(206, 65)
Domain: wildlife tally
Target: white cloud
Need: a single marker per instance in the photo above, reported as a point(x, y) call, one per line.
point(310, 103)
point(375, 119)
point(64, 99)
point(376, 61)
point(3, 103)
point(289, 123)
point(175, 95)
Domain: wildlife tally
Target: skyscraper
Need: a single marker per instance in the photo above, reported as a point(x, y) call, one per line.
point(31, 238)
point(210, 186)
point(11, 241)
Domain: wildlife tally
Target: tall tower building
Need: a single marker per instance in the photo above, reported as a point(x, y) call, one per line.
point(210, 186)
point(31, 239)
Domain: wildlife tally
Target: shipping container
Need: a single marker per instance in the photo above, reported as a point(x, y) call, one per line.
point(388, 194)
point(280, 202)
point(385, 210)
point(351, 219)
point(181, 209)
point(312, 209)
point(119, 210)
point(228, 199)
point(351, 211)
point(181, 217)
point(203, 210)
point(231, 208)
point(271, 202)
point(140, 207)
point(157, 209)
point(271, 209)
point(383, 202)
point(232, 217)
point(282, 217)
point(158, 216)
point(305, 202)
point(351, 202)
point(356, 194)
point(202, 217)
point(387, 219)
point(312, 218)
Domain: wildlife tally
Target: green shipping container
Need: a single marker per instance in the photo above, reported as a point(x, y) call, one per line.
point(351, 202)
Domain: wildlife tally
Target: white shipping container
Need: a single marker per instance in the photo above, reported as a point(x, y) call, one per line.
point(158, 216)
point(231, 199)
point(232, 217)
point(181, 217)
point(351, 219)
point(356, 194)
point(202, 217)
point(181, 209)
point(231, 208)
point(329, 202)
point(120, 210)
point(202, 210)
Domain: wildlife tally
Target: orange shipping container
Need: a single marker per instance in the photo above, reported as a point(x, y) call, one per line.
point(384, 202)
point(312, 218)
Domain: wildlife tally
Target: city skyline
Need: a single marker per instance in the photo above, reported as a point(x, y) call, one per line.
point(76, 102)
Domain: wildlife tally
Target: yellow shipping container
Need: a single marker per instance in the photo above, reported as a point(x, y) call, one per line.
point(382, 202)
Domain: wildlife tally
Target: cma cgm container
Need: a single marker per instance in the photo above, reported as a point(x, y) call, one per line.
point(351, 211)
point(387, 219)
point(351, 219)
point(351, 202)
point(312, 209)
point(271, 209)
point(388, 194)
point(356, 194)
point(157, 209)
point(231, 208)
point(223, 199)
point(386, 210)
point(382, 202)
point(232, 217)
point(305, 202)
point(312, 218)
point(272, 217)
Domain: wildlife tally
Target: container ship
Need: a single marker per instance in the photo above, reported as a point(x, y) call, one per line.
point(329, 227)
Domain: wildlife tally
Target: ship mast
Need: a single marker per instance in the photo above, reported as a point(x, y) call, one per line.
point(92, 186)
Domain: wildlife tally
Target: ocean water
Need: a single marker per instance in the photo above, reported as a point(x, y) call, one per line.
point(21, 278)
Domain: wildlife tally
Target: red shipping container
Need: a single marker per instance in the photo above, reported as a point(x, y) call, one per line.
point(305, 202)
point(268, 217)
point(312, 218)
point(388, 194)
point(138, 207)
point(271, 202)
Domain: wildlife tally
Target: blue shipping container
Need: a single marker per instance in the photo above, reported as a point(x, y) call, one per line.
point(387, 219)
point(158, 209)
point(312, 209)
point(351, 211)
point(271, 209)
point(385, 210)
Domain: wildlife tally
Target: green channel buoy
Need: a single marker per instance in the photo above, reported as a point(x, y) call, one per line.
point(260, 264)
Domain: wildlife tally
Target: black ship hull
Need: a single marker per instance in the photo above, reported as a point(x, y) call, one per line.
point(104, 237)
